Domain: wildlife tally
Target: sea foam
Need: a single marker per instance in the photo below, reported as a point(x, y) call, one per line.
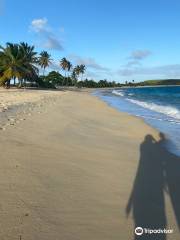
point(167, 110)
point(119, 93)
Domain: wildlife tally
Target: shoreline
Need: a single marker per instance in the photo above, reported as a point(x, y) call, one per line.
point(20, 111)
point(71, 172)
point(25, 109)
point(171, 145)
point(15, 113)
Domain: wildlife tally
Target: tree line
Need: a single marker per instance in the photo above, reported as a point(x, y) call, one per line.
point(55, 79)
point(22, 63)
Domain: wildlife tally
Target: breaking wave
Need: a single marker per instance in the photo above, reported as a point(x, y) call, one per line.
point(119, 93)
point(167, 110)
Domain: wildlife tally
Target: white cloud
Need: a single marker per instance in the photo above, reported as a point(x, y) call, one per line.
point(133, 63)
point(172, 70)
point(53, 43)
point(140, 54)
point(55, 65)
point(91, 75)
point(39, 25)
point(88, 61)
point(45, 33)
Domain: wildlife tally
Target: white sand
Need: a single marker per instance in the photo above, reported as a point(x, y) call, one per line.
point(68, 173)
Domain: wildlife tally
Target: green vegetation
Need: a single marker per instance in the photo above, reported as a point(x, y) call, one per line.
point(65, 65)
point(100, 84)
point(54, 80)
point(79, 69)
point(162, 82)
point(44, 60)
point(21, 63)
point(17, 61)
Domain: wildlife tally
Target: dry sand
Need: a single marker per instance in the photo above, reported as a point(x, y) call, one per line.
point(18, 96)
point(68, 173)
point(17, 104)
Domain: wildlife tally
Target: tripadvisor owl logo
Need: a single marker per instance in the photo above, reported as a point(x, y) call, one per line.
point(138, 231)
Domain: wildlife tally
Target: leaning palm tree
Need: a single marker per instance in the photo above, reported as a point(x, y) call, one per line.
point(16, 61)
point(44, 60)
point(10, 62)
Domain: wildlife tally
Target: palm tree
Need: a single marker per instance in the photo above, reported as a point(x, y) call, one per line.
point(74, 77)
point(16, 61)
point(66, 66)
point(70, 66)
point(77, 70)
point(64, 63)
point(10, 62)
point(44, 60)
point(29, 57)
point(82, 70)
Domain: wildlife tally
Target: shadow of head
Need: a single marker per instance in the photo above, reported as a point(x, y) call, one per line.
point(149, 138)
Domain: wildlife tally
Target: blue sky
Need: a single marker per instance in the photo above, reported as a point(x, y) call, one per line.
point(117, 40)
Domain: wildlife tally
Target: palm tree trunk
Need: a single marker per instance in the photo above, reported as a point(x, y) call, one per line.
point(43, 72)
point(24, 83)
point(20, 83)
point(64, 78)
point(8, 84)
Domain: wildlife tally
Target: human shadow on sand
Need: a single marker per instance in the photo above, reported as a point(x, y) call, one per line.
point(158, 172)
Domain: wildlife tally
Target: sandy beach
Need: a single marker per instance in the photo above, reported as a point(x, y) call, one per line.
point(73, 168)
point(17, 104)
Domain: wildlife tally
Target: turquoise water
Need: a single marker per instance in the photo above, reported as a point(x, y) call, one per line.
point(158, 106)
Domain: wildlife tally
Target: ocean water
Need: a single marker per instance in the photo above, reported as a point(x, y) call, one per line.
point(158, 106)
